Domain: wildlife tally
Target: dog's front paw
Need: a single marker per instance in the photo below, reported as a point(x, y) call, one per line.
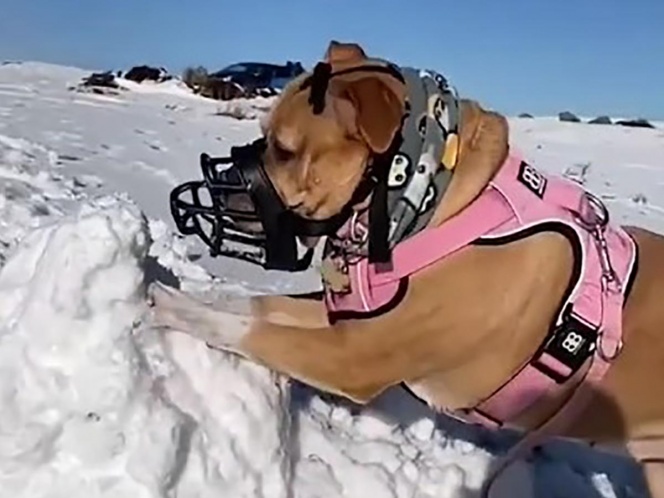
point(173, 309)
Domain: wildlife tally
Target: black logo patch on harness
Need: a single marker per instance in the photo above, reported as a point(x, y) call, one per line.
point(532, 179)
point(571, 344)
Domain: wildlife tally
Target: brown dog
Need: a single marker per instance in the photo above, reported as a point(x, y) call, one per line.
point(480, 313)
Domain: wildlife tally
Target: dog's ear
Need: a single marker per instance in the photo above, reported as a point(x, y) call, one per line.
point(377, 106)
point(344, 53)
point(369, 105)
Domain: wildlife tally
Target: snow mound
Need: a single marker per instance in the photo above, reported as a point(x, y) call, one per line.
point(92, 406)
point(95, 403)
point(253, 108)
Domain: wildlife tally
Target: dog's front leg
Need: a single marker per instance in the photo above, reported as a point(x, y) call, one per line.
point(218, 322)
point(356, 364)
point(649, 452)
point(654, 474)
point(221, 326)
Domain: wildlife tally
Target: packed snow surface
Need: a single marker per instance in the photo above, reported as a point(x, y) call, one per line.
point(96, 404)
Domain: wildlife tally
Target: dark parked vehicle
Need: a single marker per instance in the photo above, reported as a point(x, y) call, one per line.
point(258, 77)
point(141, 73)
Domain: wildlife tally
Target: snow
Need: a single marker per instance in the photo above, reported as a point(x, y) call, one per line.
point(96, 404)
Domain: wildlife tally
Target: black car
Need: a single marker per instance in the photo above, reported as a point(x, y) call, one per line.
point(252, 76)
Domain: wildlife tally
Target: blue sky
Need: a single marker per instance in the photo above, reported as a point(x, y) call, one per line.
point(539, 56)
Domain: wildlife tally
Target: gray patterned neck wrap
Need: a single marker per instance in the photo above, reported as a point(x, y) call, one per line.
point(420, 171)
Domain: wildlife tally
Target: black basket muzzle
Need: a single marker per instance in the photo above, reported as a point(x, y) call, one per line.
point(236, 211)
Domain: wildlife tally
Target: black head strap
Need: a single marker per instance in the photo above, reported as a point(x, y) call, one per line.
point(320, 79)
point(318, 82)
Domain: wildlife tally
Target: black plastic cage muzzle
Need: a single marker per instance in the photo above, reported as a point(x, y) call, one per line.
point(236, 211)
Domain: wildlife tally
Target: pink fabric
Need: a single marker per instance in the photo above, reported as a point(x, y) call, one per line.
point(507, 206)
point(372, 287)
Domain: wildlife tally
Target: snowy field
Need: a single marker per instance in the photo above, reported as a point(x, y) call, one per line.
point(94, 404)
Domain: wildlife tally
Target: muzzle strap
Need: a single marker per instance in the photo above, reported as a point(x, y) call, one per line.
point(379, 247)
point(319, 80)
point(318, 83)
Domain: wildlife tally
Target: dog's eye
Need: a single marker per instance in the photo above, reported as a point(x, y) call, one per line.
point(281, 153)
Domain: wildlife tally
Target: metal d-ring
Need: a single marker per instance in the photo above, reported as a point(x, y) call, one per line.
point(602, 353)
point(601, 214)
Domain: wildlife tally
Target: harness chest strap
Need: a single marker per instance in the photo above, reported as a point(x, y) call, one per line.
point(600, 364)
point(589, 332)
point(508, 207)
point(416, 253)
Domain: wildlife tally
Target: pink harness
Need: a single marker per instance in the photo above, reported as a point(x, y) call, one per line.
point(519, 201)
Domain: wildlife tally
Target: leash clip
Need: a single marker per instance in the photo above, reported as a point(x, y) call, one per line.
point(595, 220)
point(358, 233)
point(596, 217)
point(349, 245)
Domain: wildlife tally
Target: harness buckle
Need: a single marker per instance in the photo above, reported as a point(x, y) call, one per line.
point(567, 349)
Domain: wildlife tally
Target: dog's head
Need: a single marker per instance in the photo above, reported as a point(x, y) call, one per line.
point(315, 161)
point(319, 139)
